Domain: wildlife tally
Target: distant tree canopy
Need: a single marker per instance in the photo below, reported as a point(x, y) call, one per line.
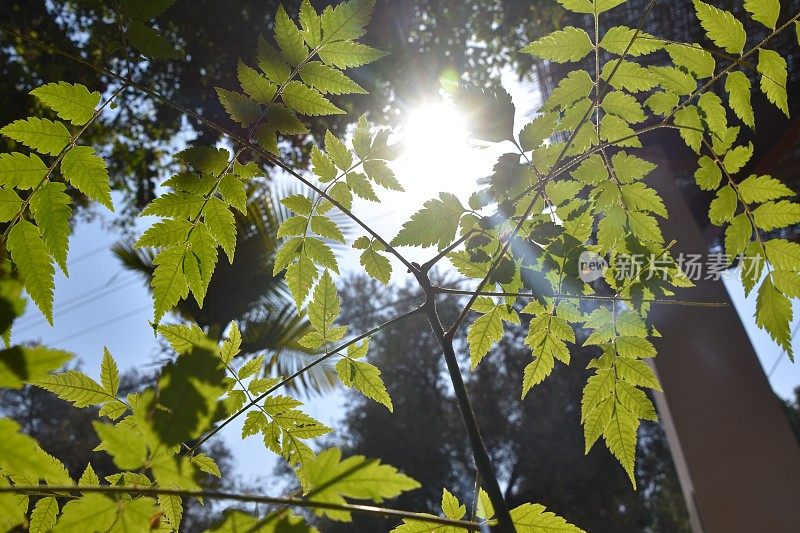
point(537, 443)
point(427, 39)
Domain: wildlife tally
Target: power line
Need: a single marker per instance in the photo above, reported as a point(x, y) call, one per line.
point(99, 325)
point(783, 352)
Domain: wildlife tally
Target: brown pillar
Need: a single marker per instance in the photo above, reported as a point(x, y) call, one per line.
point(737, 460)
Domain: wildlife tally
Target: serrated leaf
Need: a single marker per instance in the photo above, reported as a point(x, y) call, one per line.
point(31, 256)
point(75, 387)
point(288, 37)
point(20, 364)
point(629, 76)
point(673, 79)
point(484, 333)
point(738, 86)
point(376, 265)
point(123, 444)
point(738, 235)
point(365, 378)
point(271, 63)
point(530, 517)
point(535, 132)
point(635, 371)
point(639, 197)
point(172, 506)
point(169, 282)
point(774, 215)
point(21, 171)
point(691, 127)
point(569, 44)
point(256, 86)
point(714, 112)
point(773, 69)
point(764, 11)
point(624, 106)
point(617, 39)
point(620, 437)
point(206, 464)
point(435, 224)
point(311, 23)
point(20, 455)
point(782, 254)
point(629, 168)
point(708, 175)
point(736, 159)
point(721, 27)
point(87, 172)
point(787, 282)
point(645, 227)
point(592, 170)
point(330, 479)
point(70, 102)
point(378, 171)
point(348, 54)
point(300, 277)
point(49, 206)
point(307, 101)
point(44, 515)
point(40, 134)
point(327, 79)
point(576, 85)
point(662, 103)
point(774, 314)
point(240, 108)
point(109, 373)
point(326, 228)
point(757, 189)
point(338, 152)
point(693, 58)
point(615, 130)
point(723, 207)
point(221, 225)
point(149, 42)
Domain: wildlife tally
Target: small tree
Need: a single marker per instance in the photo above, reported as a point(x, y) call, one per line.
point(574, 188)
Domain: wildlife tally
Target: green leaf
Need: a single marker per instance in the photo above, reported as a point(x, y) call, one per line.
point(21, 171)
point(206, 464)
point(378, 171)
point(673, 79)
point(150, 43)
point(435, 224)
point(787, 282)
point(738, 86)
point(376, 265)
point(662, 103)
point(738, 235)
point(338, 152)
point(721, 27)
point(328, 79)
point(221, 225)
point(365, 378)
point(645, 227)
point(123, 444)
point(70, 102)
point(736, 159)
point(44, 515)
point(10, 204)
point(534, 518)
point(256, 86)
point(774, 314)
point(30, 254)
point(783, 254)
point(20, 455)
point(326, 228)
point(240, 108)
point(40, 134)
point(691, 128)
point(772, 68)
point(300, 277)
point(764, 11)
point(537, 131)
point(75, 387)
point(88, 173)
point(207, 159)
point(639, 197)
point(774, 215)
point(485, 332)
point(716, 118)
point(329, 479)
point(569, 44)
point(630, 168)
point(636, 372)
point(346, 21)
point(620, 437)
point(308, 101)
point(109, 373)
point(347, 54)
point(590, 6)
point(165, 233)
point(615, 130)
point(323, 166)
point(298, 203)
point(271, 63)
point(624, 106)
point(169, 281)
point(20, 364)
point(617, 39)
point(708, 175)
point(757, 189)
point(577, 85)
point(693, 58)
point(311, 23)
point(629, 76)
point(288, 37)
point(90, 512)
point(172, 506)
point(723, 207)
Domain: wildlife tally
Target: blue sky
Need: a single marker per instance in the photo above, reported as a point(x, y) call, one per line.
point(101, 304)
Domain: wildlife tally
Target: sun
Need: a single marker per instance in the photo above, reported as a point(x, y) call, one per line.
point(437, 151)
